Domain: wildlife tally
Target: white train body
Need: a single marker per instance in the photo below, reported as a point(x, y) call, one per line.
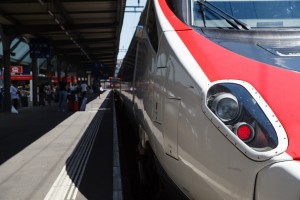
point(173, 83)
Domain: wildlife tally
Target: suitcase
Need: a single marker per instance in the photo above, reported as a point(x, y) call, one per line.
point(76, 106)
point(70, 105)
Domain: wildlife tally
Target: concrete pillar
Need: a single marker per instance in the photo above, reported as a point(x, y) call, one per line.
point(58, 70)
point(55, 63)
point(7, 80)
point(88, 77)
point(66, 72)
point(34, 81)
point(49, 70)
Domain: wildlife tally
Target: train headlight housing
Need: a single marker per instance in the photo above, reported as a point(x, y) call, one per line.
point(242, 119)
point(225, 106)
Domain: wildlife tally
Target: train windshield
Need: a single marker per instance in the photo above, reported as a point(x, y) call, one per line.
point(243, 14)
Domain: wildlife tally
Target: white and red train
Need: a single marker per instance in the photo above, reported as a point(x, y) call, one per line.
point(214, 89)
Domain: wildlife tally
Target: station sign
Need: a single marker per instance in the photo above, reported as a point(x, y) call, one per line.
point(39, 48)
point(16, 69)
point(18, 74)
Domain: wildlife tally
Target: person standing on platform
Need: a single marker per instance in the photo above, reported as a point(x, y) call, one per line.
point(100, 90)
point(14, 95)
point(63, 94)
point(84, 87)
point(24, 98)
point(42, 95)
point(48, 93)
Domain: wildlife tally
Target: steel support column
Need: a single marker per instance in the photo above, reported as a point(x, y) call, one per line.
point(34, 81)
point(6, 41)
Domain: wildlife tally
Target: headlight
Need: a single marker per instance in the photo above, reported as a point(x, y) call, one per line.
point(225, 106)
point(240, 112)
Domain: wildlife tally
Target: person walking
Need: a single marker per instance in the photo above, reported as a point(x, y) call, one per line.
point(84, 88)
point(100, 90)
point(63, 94)
point(14, 95)
point(48, 93)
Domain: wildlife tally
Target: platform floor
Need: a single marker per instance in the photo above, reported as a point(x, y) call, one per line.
point(46, 154)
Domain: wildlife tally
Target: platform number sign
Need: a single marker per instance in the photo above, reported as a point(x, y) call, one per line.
point(39, 48)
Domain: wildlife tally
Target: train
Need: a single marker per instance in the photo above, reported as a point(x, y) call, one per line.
point(212, 88)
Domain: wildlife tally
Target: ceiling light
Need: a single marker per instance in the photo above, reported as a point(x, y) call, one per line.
point(50, 13)
point(56, 20)
point(41, 2)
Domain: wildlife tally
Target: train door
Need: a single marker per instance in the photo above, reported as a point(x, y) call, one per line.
point(171, 111)
point(167, 103)
point(158, 96)
point(159, 71)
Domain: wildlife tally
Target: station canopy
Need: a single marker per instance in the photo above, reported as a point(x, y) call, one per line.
point(84, 32)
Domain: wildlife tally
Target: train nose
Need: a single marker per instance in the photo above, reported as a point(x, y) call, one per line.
point(279, 181)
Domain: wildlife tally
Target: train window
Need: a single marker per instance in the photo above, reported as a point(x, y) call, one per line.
point(151, 28)
point(255, 13)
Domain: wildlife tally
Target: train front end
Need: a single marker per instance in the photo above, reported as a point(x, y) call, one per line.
point(248, 54)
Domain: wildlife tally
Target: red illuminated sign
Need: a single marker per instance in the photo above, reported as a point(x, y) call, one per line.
point(16, 69)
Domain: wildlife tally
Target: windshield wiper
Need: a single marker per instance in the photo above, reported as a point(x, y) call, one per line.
point(230, 19)
point(202, 14)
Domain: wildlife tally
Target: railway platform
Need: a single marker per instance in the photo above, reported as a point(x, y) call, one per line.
point(46, 154)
